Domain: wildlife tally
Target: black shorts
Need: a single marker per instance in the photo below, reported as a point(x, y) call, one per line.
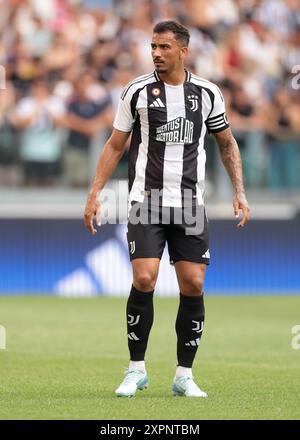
point(185, 231)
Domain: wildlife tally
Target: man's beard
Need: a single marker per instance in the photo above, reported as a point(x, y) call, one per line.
point(161, 69)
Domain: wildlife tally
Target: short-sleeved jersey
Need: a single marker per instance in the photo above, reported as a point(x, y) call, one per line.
point(168, 125)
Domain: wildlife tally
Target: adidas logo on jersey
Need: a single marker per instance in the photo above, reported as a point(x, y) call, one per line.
point(157, 103)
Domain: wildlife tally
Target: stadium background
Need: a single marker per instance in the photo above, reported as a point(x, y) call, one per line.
point(65, 64)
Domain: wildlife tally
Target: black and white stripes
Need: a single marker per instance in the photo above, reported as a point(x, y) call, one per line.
point(169, 124)
point(136, 81)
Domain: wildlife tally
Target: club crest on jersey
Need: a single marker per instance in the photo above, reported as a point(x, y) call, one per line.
point(194, 101)
point(156, 91)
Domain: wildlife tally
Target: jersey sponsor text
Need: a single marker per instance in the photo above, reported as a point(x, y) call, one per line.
point(180, 131)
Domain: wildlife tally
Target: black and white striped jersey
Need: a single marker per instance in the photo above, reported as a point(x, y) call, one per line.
point(168, 125)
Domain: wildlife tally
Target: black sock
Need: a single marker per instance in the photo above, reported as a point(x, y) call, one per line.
point(189, 326)
point(140, 314)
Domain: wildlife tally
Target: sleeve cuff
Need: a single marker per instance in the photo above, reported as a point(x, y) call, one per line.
point(125, 129)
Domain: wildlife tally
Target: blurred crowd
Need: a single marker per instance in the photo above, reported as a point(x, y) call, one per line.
point(66, 62)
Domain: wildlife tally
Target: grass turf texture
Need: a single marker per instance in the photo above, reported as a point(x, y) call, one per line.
point(65, 357)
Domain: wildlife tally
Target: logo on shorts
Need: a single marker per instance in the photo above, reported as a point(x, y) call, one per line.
point(132, 247)
point(206, 255)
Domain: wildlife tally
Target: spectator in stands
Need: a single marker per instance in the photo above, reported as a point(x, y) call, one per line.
point(282, 123)
point(62, 53)
point(249, 47)
point(88, 114)
point(8, 138)
point(245, 118)
point(38, 117)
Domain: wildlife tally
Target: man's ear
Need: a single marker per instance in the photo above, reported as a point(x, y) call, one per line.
point(183, 52)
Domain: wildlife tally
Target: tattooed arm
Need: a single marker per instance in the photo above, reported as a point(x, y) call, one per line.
point(231, 158)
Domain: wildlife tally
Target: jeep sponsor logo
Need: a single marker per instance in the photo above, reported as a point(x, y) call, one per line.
point(179, 131)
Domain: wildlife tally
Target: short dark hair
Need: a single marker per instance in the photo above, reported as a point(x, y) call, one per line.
point(181, 33)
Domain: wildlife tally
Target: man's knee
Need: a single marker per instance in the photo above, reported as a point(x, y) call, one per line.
point(192, 286)
point(144, 281)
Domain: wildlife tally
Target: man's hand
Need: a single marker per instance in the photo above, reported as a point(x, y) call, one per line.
point(240, 203)
point(92, 209)
point(111, 154)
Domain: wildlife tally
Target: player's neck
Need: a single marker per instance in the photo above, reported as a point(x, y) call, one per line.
point(175, 78)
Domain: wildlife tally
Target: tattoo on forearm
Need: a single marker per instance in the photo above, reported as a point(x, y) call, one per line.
point(231, 158)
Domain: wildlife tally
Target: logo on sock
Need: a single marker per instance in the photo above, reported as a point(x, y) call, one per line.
point(193, 343)
point(131, 321)
point(133, 337)
point(198, 328)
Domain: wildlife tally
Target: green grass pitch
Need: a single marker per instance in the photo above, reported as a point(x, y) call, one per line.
point(65, 357)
